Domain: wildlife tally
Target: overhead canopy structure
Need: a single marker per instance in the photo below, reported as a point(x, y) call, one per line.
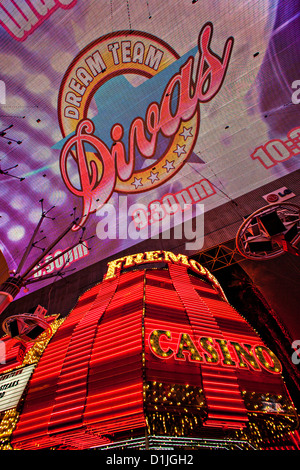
point(136, 118)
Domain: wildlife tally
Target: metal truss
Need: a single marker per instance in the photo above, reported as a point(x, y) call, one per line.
point(218, 257)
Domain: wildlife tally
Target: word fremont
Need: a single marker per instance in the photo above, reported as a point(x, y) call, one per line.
point(158, 256)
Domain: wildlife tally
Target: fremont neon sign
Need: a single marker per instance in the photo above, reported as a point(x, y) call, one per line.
point(158, 256)
point(213, 351)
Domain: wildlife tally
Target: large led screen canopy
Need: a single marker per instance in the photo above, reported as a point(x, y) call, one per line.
point(127, 115)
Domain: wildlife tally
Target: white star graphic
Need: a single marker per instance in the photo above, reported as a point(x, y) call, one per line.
point(186, 133)
point(137, 182)
point(169, 165)
point(180, 150)
point(153, 177)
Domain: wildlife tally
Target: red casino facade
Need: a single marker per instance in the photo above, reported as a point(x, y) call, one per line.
point(152, 356)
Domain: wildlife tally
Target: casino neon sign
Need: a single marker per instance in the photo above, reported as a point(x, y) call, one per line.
point(206, 350)
point(213, 351)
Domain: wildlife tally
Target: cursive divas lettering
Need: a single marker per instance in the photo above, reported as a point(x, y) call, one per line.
point(103, 169)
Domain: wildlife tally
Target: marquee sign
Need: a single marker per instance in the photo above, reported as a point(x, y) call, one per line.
point(12, 385)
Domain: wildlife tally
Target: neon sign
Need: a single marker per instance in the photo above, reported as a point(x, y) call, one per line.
point(158, 256)
point(214, 351)
point(174, 117)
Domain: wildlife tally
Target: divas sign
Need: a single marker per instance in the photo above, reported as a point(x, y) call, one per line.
point(157, 120)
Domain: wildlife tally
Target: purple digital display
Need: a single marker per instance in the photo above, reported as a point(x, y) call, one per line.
point(119, 123)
